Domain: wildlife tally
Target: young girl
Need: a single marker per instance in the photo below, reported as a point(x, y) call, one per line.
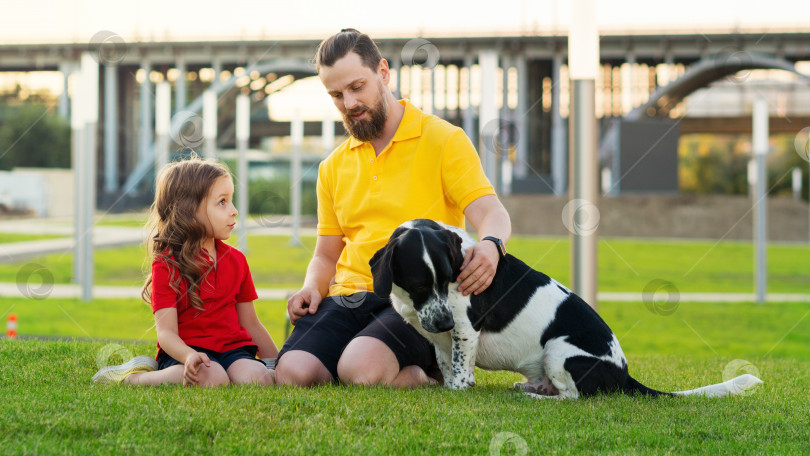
point(200, 289)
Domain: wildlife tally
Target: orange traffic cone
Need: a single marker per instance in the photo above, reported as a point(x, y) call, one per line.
point(11, 326)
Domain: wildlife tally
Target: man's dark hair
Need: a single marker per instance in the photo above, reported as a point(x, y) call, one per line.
point(347, 40)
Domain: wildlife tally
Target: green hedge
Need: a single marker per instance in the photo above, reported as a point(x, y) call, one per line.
point(274, 197)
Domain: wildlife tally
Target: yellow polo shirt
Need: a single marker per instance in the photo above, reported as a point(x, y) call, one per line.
point(429, 170)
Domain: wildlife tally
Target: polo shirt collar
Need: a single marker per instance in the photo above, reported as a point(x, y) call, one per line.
point(409, 127)
point(220, 247)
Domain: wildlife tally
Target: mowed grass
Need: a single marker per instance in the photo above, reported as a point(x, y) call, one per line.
point(733, 330)
point(624, 265)
point(50, 406)
point(9, 238)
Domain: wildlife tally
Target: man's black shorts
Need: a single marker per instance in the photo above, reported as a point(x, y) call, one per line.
point(340, 319)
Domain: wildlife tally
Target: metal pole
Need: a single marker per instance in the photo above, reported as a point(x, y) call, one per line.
point(110, 128)
point(760, 146)
point(90, 75)
point(242, 137)
point(583, 60)
point(77, 136)
point(210, 123)
point(297, 136)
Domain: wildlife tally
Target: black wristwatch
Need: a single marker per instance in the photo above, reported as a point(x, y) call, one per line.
point(499, 244)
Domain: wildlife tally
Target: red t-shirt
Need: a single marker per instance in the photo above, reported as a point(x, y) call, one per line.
point(217, 327)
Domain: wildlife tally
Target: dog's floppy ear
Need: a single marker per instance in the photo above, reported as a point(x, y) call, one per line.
point(381, 268)
point(456, 255)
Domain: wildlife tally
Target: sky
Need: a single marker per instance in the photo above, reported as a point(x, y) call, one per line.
point(32, 21)
point(77, 21)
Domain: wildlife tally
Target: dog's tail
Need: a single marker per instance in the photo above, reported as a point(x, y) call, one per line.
point(736, 385)
point(633, 386)
point(731, 387)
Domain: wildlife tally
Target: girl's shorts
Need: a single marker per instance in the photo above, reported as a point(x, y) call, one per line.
point(224, 359)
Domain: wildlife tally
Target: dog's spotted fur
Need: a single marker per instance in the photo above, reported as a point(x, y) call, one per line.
point(524, 322)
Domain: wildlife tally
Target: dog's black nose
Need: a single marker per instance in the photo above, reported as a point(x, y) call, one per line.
point(445, 324)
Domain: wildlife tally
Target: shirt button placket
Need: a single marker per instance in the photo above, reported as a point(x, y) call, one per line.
point(375, 174)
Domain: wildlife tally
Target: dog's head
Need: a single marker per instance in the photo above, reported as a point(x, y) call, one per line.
point(420, 262)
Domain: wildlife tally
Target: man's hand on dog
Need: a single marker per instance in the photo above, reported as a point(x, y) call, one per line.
point(303, 302)
point(479, 267)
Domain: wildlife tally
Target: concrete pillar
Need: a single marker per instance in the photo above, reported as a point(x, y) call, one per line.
point(487, 112)
point(398, 72)
point(467, 121)
point(328, 135)
point(504, 165)
point(110, 127)
point(521, 122)
point(559, 157)
point(210, 123)
point(64, 98)
point(432, 93)
point(146, 136)
point(180, 85)
point(217, 66)
point(163, 115)
point(628, 84)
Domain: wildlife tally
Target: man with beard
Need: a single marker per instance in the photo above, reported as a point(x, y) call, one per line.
point(399, 164)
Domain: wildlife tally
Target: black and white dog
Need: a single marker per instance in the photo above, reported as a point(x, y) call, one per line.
point(524, 322)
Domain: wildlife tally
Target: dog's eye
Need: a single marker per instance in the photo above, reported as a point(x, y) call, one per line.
point(422, 288)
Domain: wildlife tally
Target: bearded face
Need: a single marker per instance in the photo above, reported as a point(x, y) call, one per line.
point(370, 125)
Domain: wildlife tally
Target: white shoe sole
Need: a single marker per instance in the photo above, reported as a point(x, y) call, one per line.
point(115, 374)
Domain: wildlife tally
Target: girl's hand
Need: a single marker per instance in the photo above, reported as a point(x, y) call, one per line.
point(192, 366)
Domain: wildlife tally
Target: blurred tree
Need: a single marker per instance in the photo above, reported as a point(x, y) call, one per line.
point(713, 164)
point(32, 135)
point(718, 164)
point(781, 161)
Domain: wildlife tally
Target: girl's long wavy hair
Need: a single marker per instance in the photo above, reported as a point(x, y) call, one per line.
point(175, 235)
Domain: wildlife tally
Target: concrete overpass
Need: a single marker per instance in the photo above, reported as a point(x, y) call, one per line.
point(534, 76)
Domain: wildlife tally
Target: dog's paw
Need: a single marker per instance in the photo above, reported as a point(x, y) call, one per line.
point(470, 380)
point(457, 385)
point(461, 383)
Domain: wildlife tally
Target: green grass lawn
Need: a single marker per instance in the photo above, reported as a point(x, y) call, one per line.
point(48, 404)
point(9, 238)
point(624, 264)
